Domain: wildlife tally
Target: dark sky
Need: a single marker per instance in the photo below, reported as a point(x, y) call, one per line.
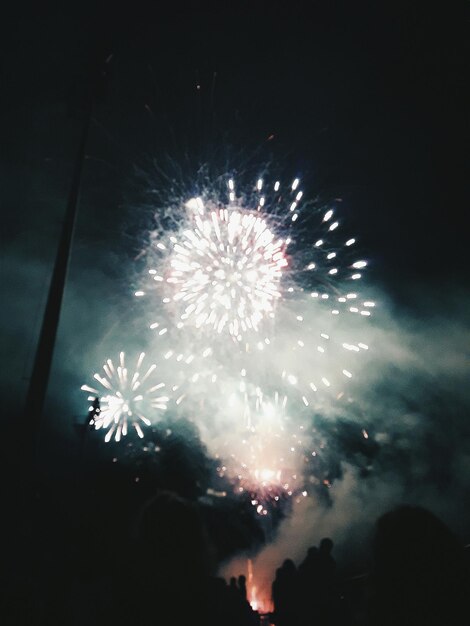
point(366, 101)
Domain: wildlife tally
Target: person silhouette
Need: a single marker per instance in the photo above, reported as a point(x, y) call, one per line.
point(308, 578)
point(326, 563)
point(419, 575)
point(166, 578)
point(233, 585)
point(328, 605)
point(93, 411)
point(285, 594)
point(242, 586)
point(235, 609)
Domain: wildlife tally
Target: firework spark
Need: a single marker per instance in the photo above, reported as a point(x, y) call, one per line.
point(272, 274)
point(125, 397)
point(260, 446)
point(233, 261)
point(224, 270)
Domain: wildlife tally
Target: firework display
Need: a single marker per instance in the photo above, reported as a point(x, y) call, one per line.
point(260, 290)
point(226, 270)
point(126, 397)
point(229, 263)
point(263, 455)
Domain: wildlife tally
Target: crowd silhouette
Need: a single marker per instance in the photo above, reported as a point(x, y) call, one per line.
point(167, 574)
point(309, 593)
point(419, 576)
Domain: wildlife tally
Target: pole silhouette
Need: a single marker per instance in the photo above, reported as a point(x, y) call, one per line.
point(37, 390)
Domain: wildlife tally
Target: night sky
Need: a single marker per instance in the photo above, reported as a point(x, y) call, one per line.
point(364, 101)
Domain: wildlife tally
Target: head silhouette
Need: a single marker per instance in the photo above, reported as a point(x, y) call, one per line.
point(326, 545)
point(419, 569)
point(171, 552)
point(312, 552)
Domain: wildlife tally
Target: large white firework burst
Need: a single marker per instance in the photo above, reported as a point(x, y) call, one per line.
point(126, 397)
point(269, 270)
point(226, 271)
point(221, 270)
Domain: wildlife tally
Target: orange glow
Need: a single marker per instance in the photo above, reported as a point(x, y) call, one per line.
point(259, 602)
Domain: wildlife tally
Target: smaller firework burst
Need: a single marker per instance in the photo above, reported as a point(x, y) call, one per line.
point(253, 435)
point(126, 398)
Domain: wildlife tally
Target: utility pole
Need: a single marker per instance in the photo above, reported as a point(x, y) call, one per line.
point(36, 395)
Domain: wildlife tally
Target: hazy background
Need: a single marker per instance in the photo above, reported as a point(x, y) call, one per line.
point(363, 102)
